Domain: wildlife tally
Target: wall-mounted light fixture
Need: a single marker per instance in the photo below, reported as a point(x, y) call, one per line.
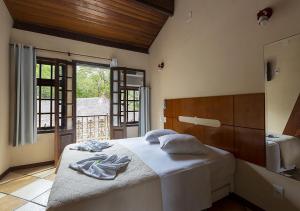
point(160, 66)
point(264, 15)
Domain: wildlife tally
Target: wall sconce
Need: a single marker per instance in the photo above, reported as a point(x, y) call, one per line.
point(264, 15)
point(161, 66)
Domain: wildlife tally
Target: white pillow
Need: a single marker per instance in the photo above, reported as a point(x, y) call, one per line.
point(152, 136)
point(181, 144)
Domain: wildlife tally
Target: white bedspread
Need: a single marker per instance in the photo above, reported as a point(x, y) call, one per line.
point(182, 177)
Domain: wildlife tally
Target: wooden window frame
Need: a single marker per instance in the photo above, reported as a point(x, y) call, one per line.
point(123, 88)
point(40, 82)
point(135, 121)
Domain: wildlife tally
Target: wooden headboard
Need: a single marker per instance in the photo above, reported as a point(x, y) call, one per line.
point(242, 118)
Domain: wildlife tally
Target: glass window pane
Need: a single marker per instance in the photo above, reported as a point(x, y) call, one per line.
point(136, 116)
point(37, 92)
point(115, 109)
point(60, 94)
point(53, 120)
point(69, 84)
point(53, 72)
point(115, 98)
point(60, 70)
point(69, 97)
point(45, 92)
point(130, 95)
point(130, 116)
point(137, 95)
point(53, 106)
point(115, 121)
point(130, 106)
point(69, 123)
point(45, 120)
point(53, 92)
point(115, 86)
point(45, 106)
point(46, 71)
point(37, 107)
point(137, 105)
point(115, 75)
point(69, 71)
point(37, 120)
point(37, 71)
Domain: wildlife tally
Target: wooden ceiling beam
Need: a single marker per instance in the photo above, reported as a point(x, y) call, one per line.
point(76, 36)
point(163, 6)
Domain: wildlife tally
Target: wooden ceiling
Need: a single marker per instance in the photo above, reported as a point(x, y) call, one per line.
point(126, 24)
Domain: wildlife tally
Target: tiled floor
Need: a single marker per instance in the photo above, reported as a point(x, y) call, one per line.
point(26, 189)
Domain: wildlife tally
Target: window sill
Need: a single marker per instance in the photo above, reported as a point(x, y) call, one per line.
point(132, 124)
point(45, 131)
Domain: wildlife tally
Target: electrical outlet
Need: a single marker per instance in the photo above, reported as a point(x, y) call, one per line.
point(278, 191)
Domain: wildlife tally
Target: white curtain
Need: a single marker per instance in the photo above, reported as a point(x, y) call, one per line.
point(114, 62)
point(22, 95)
point(144, 115)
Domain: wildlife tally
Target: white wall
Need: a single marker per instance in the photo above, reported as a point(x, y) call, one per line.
point(218, 52)
point(43, 150)
point(5, 28)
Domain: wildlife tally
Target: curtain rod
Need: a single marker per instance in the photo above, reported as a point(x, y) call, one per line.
point(69, 53)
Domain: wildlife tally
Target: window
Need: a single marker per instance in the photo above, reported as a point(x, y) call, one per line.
point(132, 104)
point(45, 76)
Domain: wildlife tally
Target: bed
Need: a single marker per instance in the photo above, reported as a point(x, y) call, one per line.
point(282, 152)
point(153, 180)
point(156, 181)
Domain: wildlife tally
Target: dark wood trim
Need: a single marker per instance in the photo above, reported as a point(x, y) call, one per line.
point(167, 11)
point(6, 172)
point(76, 36)
point(13, 168)
point(32, 165)
point(245, 202)
point(91, 64)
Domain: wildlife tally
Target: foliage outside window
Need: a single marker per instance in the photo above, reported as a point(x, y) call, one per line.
point(92, 82)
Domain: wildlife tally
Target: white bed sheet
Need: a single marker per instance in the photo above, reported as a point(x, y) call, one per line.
point(220, 162)
point(185, 176)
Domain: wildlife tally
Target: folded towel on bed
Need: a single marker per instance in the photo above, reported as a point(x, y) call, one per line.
point(91, 146)
point(101, 166)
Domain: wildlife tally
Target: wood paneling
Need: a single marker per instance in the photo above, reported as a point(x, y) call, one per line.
point(222, 137)
point(292, 127)
point(250, 145)
point(242, 123)
point(127, 24)
point(249, 110)
point(220, 108)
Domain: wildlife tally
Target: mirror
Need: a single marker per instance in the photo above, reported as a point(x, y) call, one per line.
point(282, 87)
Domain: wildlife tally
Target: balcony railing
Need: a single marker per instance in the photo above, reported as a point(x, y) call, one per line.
point(92, 127)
